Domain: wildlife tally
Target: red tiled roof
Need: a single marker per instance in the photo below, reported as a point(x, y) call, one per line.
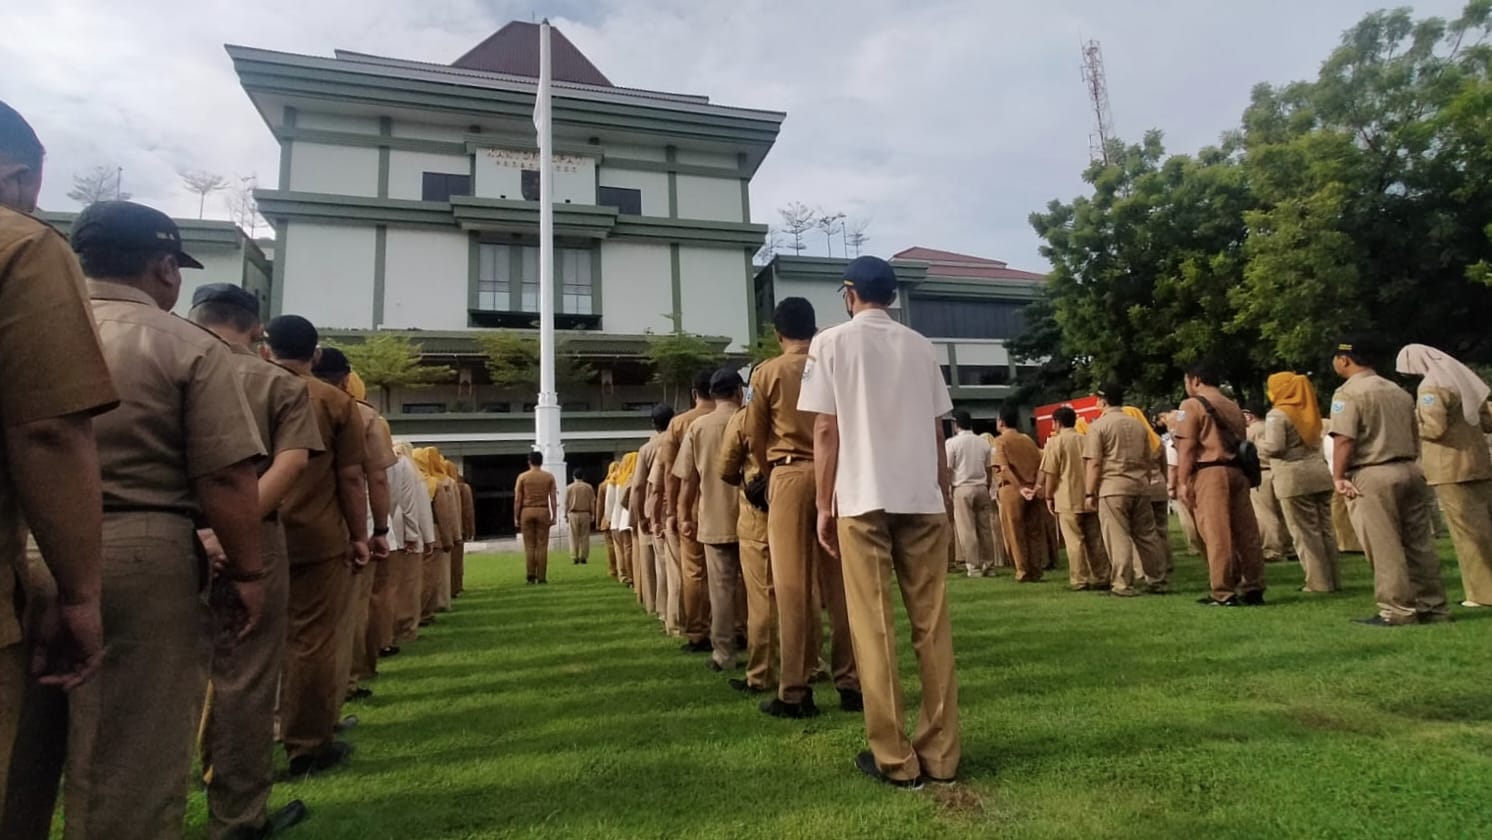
point(951, 264)
point(514, 50)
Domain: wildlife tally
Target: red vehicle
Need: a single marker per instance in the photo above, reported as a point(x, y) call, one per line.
point(1086, 407)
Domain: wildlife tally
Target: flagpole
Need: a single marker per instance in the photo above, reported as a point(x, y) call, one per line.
point(547, 410)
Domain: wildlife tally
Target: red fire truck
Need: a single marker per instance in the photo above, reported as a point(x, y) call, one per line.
point(1086, 407)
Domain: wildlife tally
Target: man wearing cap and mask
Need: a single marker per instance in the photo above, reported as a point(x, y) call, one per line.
point(882, 487)
point(50, 461)
point(708, 511)
point(1375, 465)
point(180, 448)
point(238, 740)
point(326, 536)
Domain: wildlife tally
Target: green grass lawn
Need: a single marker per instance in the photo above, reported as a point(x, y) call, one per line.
point(563, 712)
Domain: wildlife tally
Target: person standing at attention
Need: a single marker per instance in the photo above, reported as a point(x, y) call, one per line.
point(968, 461)
point(535, 499)
point(694, 587)
point(882, 484)
point(1453, 416)
point(1117, 463)
point(651, 556)
point(580, 512)
point(1267, 508)
point(1062, 471)
point(1302, 481)
point(1018, 466)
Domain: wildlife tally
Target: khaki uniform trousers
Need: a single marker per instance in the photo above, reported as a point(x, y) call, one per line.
point(624, 556)
point(378, 626)
point(1468, 511)
point(694, 589)
point(761, 614)
point(609, 537)
point(643, 564)
point(807, 581)
point(458, 568)
point(354, 629)
point(1270, 516)
point(126, 735)
point(724, 562)
point(409, 596)
point(659, 547)
point(1392, 518)
point(1087, 561)
point(13, 664)
point(1161, 509)
point(580, 536)
point(314, 686)
point(1341, 524)
point(911, 545)
point(1225, 519)
point(390, 606)
point(1308, 519)
point(238, 741)
point(534, 523)
point(1189, 529)
point(443, 582)
point(971, 522)
point(1129, 539)
point(435, 558)
point(673, 582)
point(1025, 533)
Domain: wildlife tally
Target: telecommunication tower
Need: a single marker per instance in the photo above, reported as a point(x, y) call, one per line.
point(1097, 82)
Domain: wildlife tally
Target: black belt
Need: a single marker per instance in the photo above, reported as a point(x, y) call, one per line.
point(274, 516)
point(166, 509)
point(792, 459)
point(1382, 463)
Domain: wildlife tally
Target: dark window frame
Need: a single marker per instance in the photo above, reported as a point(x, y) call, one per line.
point(958, 318)
point(626, 200)
point(440, 186)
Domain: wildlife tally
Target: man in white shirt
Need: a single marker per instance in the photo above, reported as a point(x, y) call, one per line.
point(968, 461)
point(882, 484)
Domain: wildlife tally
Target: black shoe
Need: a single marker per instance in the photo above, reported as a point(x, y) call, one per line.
point(866, 763)
point(741, 643)
point(391, 650)
point(851, 700)
point(718, 668)
point(349, 722)
point(322, 760)
point(1210, 601)
point(1380, 621)
point(701, 646)
point(1078, 587)
point(292, 814)
point(360, 694)
point(792, 711)
point(1252, 599)
point(1124, 593)
point(530, 579)
point(1434, 618)
point(1101, 587)
point(934, 780)
point(747, 688)
point(427, 622)
point(544, 581)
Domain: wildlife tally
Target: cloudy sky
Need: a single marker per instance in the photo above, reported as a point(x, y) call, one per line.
point(942, 122)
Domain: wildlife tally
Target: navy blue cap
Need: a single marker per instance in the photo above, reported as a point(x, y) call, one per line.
point(226, 293)
point(726, 381)
point(870, 277)
point(131, 227)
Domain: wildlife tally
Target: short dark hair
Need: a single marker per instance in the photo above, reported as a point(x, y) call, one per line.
point(962, 419)
point(1207, 371)
point(878, 297)
point(18, 140)
point(292, 337)
point(794, 319)
point(101, 262)
point(1065, 417)
point(1112, 393)
point(662, 416)
point(1011, 416)
point(580, 475)
point(536, 458)
point(332, 365)
point(217, 313)
point(701, 385)
point(725, 382)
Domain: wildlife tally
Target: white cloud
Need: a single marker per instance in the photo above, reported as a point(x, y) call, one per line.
point(947, 122)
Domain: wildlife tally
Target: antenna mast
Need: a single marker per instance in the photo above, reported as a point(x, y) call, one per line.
point(1097, 82)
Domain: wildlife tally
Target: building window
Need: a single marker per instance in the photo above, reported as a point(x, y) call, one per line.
point(529, 180)
point(947, 374)
point(983, 375)
point(624, 199)
point(575, 281)
point(440, 186)
point(529, 285)
point(1002, 319)
point(496, 408)
point(424, 408)
point(494, 278)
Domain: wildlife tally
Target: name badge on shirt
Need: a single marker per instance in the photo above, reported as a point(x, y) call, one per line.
point(1428, 399)
point(1337, 407)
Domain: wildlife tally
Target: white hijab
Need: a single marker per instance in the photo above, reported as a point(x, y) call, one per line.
point(1440, 370)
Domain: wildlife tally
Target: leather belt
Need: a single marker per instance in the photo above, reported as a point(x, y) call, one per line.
point(792, 459)
point(166, 509)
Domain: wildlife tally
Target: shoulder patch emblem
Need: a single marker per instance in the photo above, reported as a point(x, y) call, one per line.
point(1180, 415)
point(1428, 399)
point(1337, 407)
point(808, 369)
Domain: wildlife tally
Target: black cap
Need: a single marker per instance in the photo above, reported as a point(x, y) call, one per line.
point(332, 362)
point(725, 381)
point(870, 277)
point(131, 227)
point(226, 293)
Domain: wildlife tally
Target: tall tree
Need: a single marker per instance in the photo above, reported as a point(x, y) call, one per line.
point(855, 236)
point(675, 358)
point(386, 362)
point(202, 183)
point(242, 208)
point(101, 183)
point(829, 224)
point(512, 360)
point(797, 219)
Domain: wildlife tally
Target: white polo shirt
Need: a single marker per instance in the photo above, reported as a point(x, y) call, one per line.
point(882, 381)
point(968, 459)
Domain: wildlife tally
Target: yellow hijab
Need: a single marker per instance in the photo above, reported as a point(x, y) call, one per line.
point(355, 387)
point(1139, 415)
point(1292, 393)
point(431, 467)
point(625, 470)
point(1082, 425)
point(450, 470)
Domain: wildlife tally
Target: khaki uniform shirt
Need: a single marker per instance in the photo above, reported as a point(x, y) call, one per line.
point(673, 440)
point(736, 460)
point(1018, 458)
point(773, 421)
point(1454, 450)
point(580, 498)
point(468, 511)
point(378, 445)
point(1063, 458)
point(1378, 416)
point(1122, 447)
point(447, 508)
point(50, 365)
point(280, 403)
point(968, 459)
point(1298, 470)
point(182, 415)
point(647, 456)
point(1197, 425)
point(719, 502)
point(534, 488)
point(315, 529)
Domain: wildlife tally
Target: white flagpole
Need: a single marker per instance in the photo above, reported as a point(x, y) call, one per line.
point(547, 411)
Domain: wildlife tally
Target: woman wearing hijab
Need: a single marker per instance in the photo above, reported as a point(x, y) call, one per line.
point(1002, 557)
point(1453, 415)
point(1158, 493)
point(437, 561)
point(416, 531)
point(604, 493)
point(1291, 441)
point(621, 517)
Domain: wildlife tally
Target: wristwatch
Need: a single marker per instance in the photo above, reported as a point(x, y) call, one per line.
point(381, 532)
